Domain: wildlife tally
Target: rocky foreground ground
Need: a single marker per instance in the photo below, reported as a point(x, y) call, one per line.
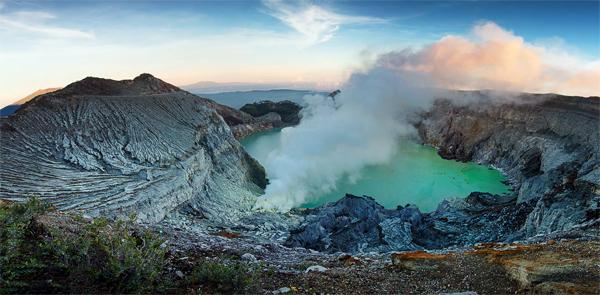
point(564, 266)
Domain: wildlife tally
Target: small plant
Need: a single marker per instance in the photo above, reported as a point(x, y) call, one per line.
point(115, 257)
point(220, 276)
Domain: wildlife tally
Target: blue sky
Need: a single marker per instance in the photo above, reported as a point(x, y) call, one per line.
point(317, 44)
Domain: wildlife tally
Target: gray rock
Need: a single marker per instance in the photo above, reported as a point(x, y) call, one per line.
point(287, 112)
point(179, 274)
point(282, 290)
point(397, 233)
point(316, 268)
point(249, 257)
point(348, 225)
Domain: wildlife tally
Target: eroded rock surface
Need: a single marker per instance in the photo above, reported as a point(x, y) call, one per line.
point(135, 146)
point(143, 146)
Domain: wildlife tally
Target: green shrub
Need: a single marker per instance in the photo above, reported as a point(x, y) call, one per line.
point(98, 257)
point(27, 257)
point(220, 276)
point(114, 257)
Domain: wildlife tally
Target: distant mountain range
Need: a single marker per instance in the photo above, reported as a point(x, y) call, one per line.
point(36, 93)
point(9, 109)
point(217, 87)
point(237, 99)
point(233, 94)
point(237, 94)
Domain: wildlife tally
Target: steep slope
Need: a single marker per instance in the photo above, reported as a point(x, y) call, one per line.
point(134, 146)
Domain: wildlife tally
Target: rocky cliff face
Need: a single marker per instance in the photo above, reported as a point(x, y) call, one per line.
point(549, 146)
point(134, 146)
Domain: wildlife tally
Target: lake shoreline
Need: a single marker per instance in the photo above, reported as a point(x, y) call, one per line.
point(391, 186)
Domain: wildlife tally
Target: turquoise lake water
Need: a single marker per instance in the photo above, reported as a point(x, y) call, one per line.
point(416, 175)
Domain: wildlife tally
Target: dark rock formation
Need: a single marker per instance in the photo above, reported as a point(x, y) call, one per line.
point(262, 116)
point(117, 147)
point(257, 117)
point(359, 224)
point(143, 84)
point(349, 225)
point(333, 94)
point(480, 218)
point(287, 110)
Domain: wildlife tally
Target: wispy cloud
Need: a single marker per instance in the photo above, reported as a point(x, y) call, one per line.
point(38, 22)
point(315, 23)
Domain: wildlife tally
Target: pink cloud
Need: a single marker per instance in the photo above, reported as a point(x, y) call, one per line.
point(494, 58)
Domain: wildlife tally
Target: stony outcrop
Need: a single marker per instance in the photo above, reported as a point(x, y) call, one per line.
point(135, 146)
point(351, 224)
point(144, 146)
point(358, 224)
point(558, 266)
point(287, 110)
point(262, 116)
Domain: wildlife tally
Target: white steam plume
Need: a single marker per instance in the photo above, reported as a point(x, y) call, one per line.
point(374, 107)
point(338, 140)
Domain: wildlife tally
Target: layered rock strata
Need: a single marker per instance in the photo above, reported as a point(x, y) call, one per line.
point(135, 146)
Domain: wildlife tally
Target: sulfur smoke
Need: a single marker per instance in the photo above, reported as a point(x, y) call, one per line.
point(338, 138)
point(364, 124)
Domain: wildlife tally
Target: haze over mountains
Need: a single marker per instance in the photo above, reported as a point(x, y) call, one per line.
point(9, 109)
point(234, 94)
point(237, 99)
point(237, 94)
point(36, 93)
point(216, 87)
